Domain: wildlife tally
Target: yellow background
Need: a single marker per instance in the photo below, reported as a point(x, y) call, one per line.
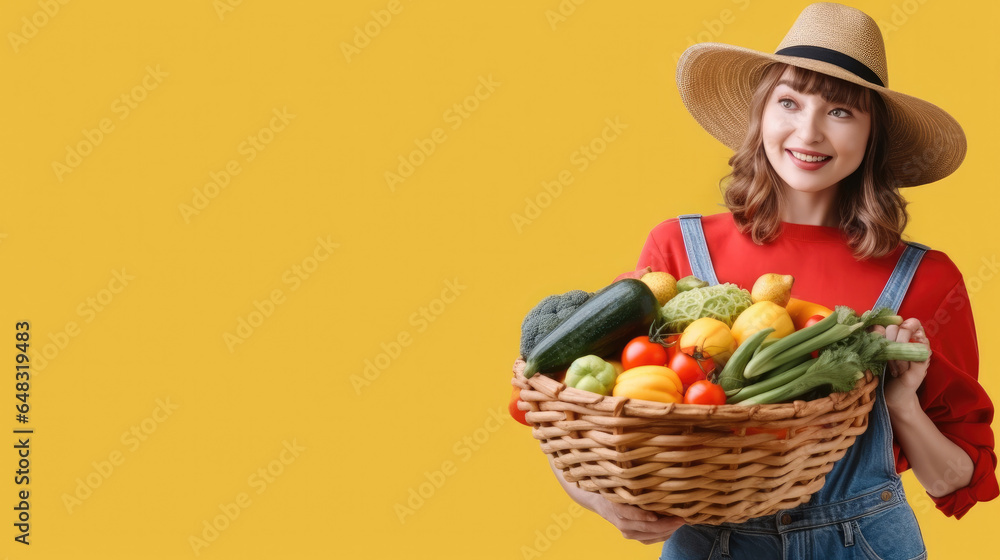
point(427, 279)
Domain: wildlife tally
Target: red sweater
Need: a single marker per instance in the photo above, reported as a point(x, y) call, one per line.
point(826, 272)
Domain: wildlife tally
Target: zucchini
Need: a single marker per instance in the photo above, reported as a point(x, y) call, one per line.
point(603, 324)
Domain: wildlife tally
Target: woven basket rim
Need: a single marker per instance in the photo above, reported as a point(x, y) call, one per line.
point(637, 408)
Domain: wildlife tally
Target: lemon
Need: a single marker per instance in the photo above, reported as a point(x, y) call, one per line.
point(762, 315)
point(775, 288)
point(663, 285)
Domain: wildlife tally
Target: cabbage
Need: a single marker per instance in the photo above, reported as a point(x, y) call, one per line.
point(723, 302)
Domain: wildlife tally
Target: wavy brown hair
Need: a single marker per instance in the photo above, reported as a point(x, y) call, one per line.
point(870, 210)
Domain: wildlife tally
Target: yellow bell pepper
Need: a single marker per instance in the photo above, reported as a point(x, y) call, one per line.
point(762, 315)
point(650, 383)
point(708, 338)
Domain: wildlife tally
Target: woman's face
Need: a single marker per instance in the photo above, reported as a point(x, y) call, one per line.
point(811, 143)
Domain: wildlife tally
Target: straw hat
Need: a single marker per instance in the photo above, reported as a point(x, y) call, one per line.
point(716, 82)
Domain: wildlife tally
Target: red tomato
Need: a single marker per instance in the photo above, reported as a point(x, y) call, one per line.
point(640, 351)
point(671, 343)
point(690, 369)
point(515, 412)
point(813, 320)
point(704, 392)
point(810, 322)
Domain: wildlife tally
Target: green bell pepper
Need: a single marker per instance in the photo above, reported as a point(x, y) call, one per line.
point(591, 373)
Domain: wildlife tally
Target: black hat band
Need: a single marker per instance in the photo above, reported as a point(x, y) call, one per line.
point(836, 58)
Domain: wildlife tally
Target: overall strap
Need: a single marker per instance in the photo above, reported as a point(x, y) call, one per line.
point(697, 248)
point(870, 465)
point(899, 280)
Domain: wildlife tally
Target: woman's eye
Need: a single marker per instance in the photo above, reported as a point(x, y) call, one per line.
point(786, 103)
point(840, 113)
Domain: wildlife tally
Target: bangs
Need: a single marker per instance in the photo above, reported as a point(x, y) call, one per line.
point(833, 90)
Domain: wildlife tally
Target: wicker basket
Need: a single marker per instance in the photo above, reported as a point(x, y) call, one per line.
point(694, 462)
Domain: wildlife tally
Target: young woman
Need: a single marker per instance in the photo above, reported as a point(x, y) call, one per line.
point(822, 147)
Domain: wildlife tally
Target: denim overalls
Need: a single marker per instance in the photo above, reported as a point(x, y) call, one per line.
point(861, 511)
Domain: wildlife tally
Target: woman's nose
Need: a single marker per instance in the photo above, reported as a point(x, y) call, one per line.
point(809, 128)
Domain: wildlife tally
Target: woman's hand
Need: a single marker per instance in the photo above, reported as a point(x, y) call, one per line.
point(636, 523)
point(940, 465)
point(901, 393)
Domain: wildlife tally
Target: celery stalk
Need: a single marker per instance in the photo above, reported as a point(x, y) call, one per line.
point(905, 351)
point(768, 360)
point(839, 370)
point(772, 382)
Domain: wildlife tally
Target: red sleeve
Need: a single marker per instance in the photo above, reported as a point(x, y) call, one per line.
point(956, 402)
point(649, 253)
point(653, 256)
point(657, 255)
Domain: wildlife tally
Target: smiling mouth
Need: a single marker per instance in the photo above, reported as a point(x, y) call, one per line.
point(808, 158)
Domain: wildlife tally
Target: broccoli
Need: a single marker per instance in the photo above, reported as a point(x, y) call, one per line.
point(545, 316)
